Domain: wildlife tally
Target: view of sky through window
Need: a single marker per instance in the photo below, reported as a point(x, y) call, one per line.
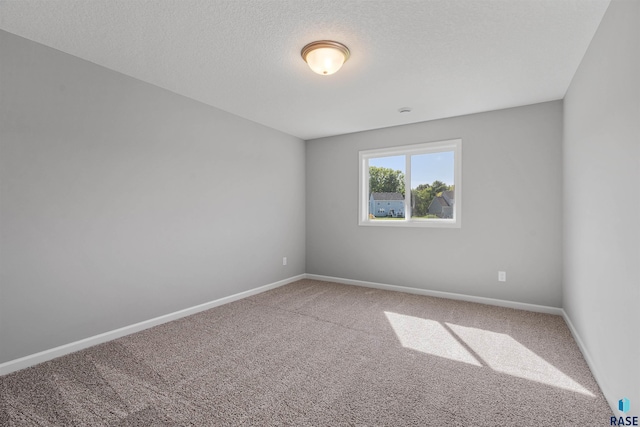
point(425, 168)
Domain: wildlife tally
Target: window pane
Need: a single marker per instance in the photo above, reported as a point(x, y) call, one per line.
point(432, 185)
point(386, 188)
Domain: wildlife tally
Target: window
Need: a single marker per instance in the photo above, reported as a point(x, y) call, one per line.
point(412, 185)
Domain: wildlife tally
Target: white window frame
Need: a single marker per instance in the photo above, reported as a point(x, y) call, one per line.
point(454, 145)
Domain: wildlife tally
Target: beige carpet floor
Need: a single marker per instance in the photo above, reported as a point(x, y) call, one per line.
point(321, 354)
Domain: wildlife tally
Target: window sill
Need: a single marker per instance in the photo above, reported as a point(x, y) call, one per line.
point(419, 223)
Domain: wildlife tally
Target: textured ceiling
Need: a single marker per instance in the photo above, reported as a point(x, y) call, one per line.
point(443, 58)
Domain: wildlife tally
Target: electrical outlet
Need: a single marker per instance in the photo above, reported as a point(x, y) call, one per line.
point(502, 276)
point(284, 260)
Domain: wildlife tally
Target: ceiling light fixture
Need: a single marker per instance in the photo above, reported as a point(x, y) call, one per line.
point(325, 57)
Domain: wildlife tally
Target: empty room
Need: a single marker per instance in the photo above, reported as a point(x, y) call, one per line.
point(319, 213)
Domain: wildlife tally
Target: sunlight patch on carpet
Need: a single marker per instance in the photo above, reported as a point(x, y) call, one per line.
point(504, 354)
point(428, 336)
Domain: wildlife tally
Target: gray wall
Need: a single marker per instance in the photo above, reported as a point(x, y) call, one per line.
point(511, 218)
point(602, 162)
point(122, 201)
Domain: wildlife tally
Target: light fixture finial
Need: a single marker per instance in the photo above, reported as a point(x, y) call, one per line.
point(325, 57)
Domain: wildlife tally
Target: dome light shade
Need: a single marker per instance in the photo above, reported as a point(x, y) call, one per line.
point(325, 57)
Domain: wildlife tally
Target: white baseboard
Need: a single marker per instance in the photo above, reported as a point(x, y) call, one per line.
point(587, 357)
point(43, 356)
point(439, 294)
